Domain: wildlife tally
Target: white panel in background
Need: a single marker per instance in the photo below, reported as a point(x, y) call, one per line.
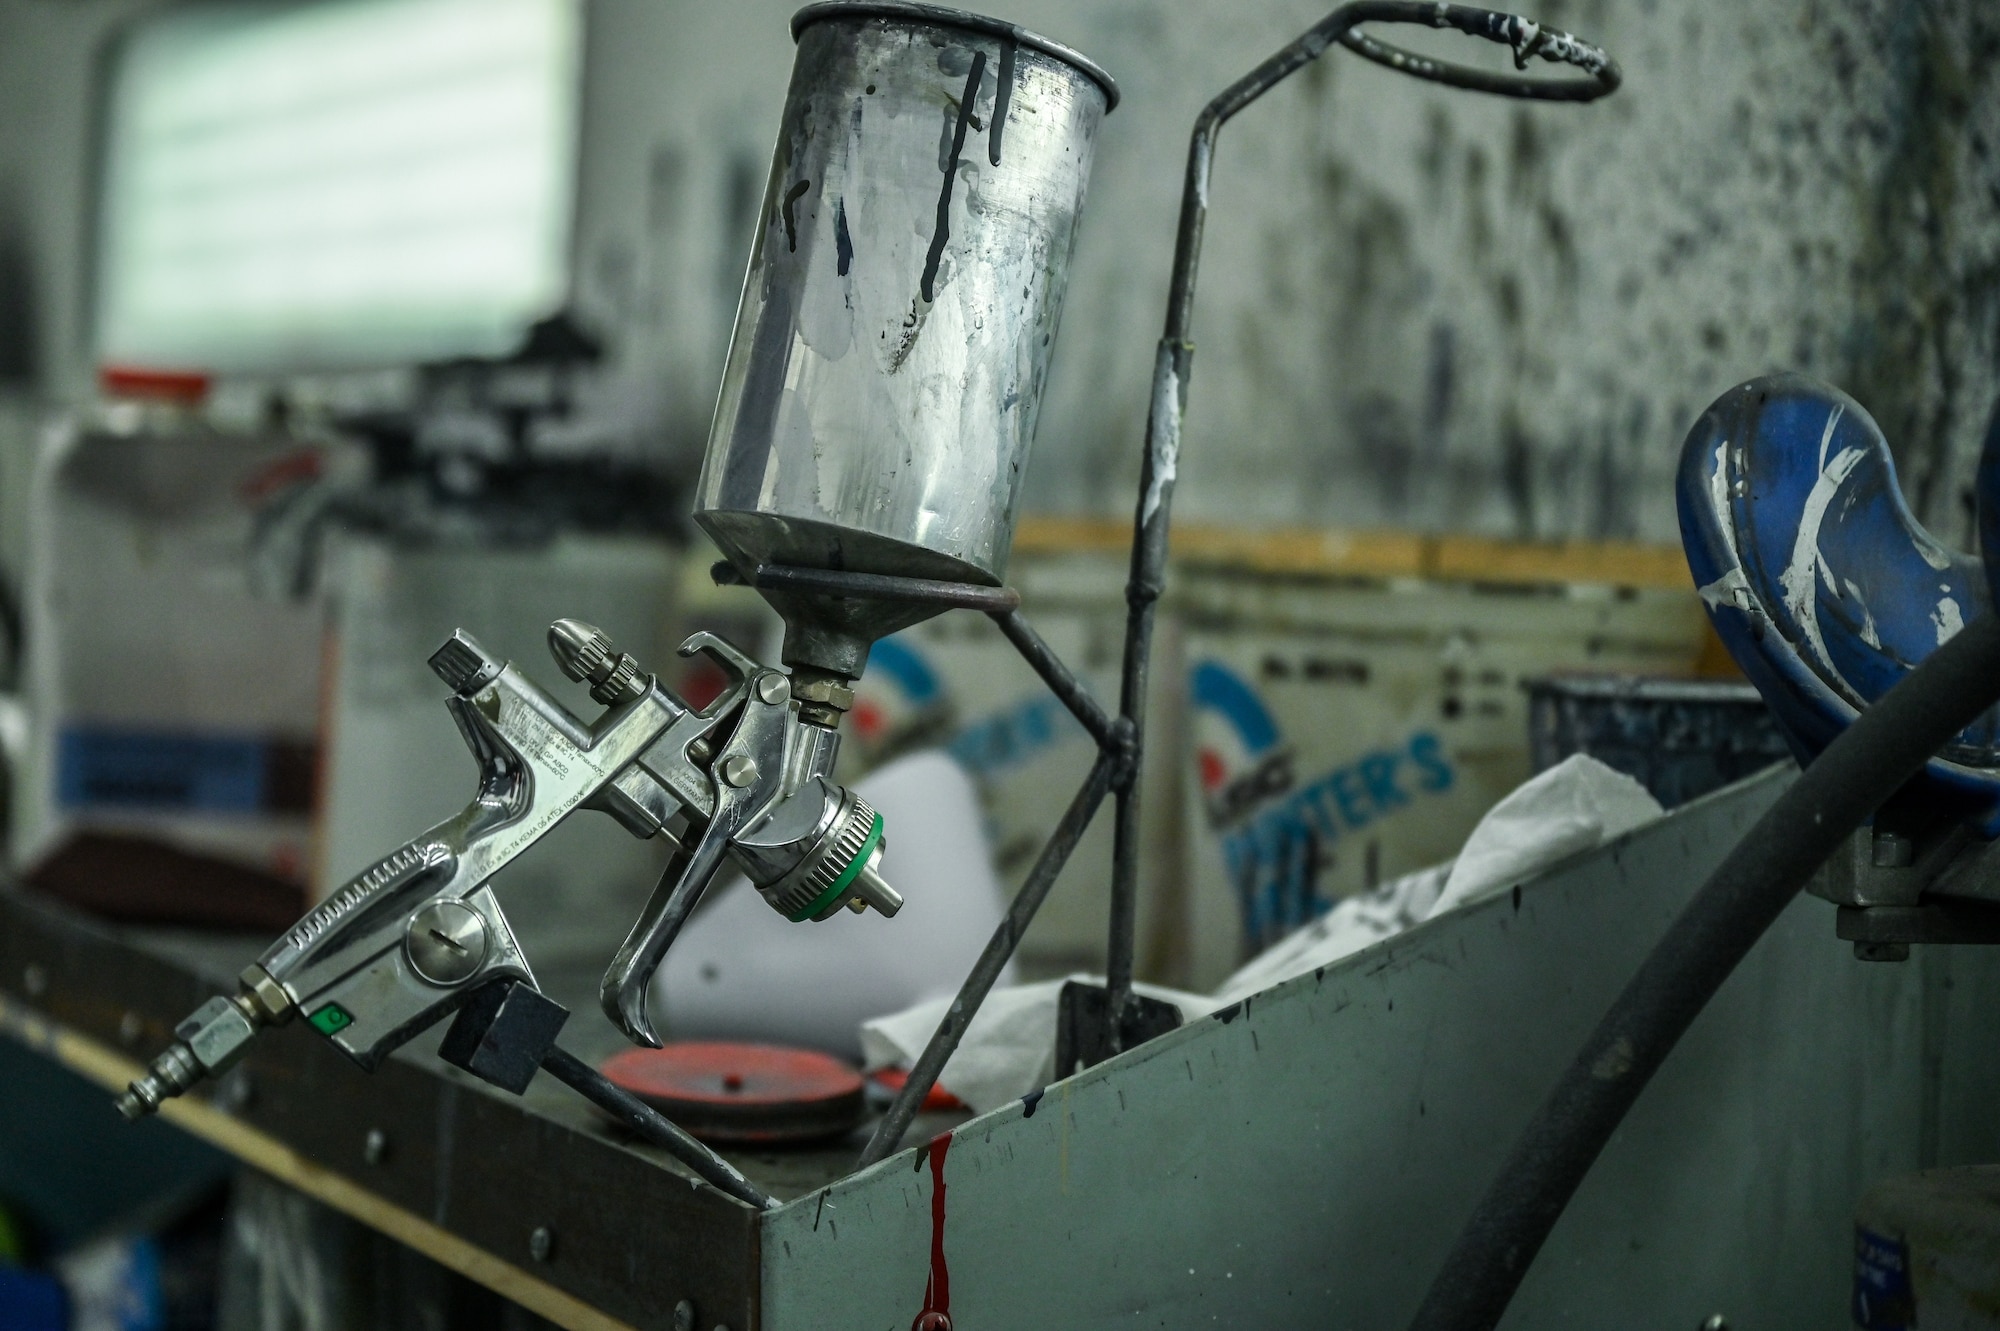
point(349, 183)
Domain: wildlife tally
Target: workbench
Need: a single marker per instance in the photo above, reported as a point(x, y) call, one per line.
point(1300, 1159)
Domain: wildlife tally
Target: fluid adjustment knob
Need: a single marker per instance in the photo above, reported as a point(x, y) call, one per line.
point(586, 655)
point(839, 870)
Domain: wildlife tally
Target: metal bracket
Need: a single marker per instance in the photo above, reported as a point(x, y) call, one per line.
point(1083, 1025)
point(503, 1033)
point(1910, 879)
point(1884, 933)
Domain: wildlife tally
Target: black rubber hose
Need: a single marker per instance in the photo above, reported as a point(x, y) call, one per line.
point(1863, 767)
point(652, 1125)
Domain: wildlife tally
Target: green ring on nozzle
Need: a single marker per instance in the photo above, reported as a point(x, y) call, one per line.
point(847, 875)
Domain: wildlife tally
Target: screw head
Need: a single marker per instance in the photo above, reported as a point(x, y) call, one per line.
point(541, 1243)
point(773, 688)
point(739, 770)
point(684, 1316)
point(375, 1146)
point(446, 942)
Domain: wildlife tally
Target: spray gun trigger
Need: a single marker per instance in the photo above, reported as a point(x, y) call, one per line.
point(739, 667)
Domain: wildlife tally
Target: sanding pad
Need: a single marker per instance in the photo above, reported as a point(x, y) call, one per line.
point(743, 1093)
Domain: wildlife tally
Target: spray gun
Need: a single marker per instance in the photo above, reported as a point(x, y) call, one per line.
point(744, 780)
point(863, 473)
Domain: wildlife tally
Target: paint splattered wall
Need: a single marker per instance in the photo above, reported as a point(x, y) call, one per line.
point(1441, 310)
point(1422, 307)
point(1418, 307)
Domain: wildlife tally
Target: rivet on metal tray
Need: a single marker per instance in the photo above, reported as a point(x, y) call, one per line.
point(683, 1316)
point(375, 1146)
point(541, 1243)
point(130, 1027)
point(34, 980)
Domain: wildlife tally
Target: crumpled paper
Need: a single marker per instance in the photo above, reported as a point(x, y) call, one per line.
point(1352, 924)
point(1575, 806)
point(1009, 1050)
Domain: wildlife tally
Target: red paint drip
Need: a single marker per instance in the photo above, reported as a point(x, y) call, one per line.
point(936, 1314)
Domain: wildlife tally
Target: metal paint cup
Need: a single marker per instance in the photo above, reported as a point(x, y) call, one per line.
point(896, 323)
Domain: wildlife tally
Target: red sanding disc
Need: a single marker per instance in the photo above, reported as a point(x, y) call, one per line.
point(724, 1092)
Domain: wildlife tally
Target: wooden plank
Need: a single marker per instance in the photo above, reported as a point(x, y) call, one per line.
point(105, 1066)
point(1313, 551)
point(1479, 559)
point(1304, 551)
point(1372, 553)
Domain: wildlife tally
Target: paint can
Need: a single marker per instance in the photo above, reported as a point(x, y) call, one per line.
point(1680, 738)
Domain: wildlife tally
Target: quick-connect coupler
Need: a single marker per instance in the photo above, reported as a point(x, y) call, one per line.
point(212, 1038)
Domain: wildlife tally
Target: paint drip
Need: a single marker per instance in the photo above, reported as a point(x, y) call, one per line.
point(936, 1313)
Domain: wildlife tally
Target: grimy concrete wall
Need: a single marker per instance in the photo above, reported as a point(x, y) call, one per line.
point(1418, 307)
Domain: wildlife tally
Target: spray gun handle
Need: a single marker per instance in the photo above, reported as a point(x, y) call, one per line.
point(403, 942)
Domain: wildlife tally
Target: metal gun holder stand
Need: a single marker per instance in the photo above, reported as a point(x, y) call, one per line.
point(1916, 875)
point(420, 936)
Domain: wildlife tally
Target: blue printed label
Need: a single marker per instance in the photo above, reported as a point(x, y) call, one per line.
point(1278, 832)
point(1277, 855)
point(1883, 1297)
point(1014, 736)
point(100, 767)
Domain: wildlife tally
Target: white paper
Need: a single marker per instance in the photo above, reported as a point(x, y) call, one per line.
point(1575, 806)
point(1351, 925)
